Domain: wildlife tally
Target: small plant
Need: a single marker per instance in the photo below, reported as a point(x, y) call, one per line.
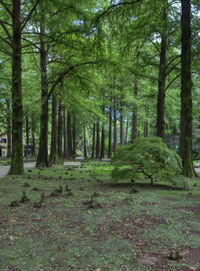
point(148, 157)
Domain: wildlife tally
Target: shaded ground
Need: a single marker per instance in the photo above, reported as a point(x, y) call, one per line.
point(131, 231)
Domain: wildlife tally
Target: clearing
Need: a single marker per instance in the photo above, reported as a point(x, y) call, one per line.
point(117, 230)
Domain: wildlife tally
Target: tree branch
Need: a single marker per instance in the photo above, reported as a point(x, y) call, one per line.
point(115, 6)
point(29, 15)
point(7, 32)
point(172, 81)
point(5, 52)
point(6, 7)
point(5, 40)
point(63, 74)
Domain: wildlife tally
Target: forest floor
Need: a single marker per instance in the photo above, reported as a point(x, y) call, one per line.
point(101, 226)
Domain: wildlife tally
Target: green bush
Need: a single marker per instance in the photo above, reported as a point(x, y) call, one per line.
point(149, 157)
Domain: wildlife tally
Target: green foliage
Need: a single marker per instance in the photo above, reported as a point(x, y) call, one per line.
point(149, 157)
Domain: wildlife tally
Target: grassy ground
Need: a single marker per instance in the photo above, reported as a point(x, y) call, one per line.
point(131, 231)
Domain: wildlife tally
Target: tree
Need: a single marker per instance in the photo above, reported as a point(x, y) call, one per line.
point(185, 143)
point(14, 41)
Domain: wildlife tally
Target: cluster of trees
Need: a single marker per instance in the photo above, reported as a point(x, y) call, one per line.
point(98, 74)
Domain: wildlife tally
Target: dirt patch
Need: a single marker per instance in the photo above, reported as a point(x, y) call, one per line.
point(155, 260)
point(192, 256)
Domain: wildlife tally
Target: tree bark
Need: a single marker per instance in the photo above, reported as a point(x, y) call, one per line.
point(160, 124)
point(65, 135)
point(146, 122)
point(185, 141)
point(93, 140)
point(69, 136)
point(135, 113)
point(74, 136)
point(84, 143)
point(102, 136)
point(53, 152)
point(115, 124)
point(60, 132)
point(32, 138)
point(97, 140)
point(126, 135)
point(42, 159)
point(17, 166)
point(121, 123)
point(8, 129)
point(27, 137)
point(110, 133)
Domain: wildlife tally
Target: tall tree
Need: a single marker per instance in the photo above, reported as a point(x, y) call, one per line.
point(53, 151)
point(93, 140)
point(97, 140)
point(160, 125)
point(8, 128)
point(185, 141)
point(42, 158)
point(110, 133)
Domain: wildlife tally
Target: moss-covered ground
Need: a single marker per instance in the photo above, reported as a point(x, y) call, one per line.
point(128, 231)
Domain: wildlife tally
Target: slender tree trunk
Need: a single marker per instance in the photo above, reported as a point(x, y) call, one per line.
point(17, 166)
point(53, 152)
point(84, 143)
point(135, 113)
point(65, 135)
point(160, 124)
point(93, 140)
point(60, 132)
point(146, 122)
point(121, 123)
point(74, 136)
point(32, 138)
point(102, 136)
point(8, 129)
point(27, 136)
point(110, 133)
point(42, 159)
point(185, 141)
point(97, 140)
point(115, 123)
point(126, 136)
point(69, 136)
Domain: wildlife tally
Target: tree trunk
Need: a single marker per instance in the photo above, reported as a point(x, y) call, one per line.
point(135, 113)
point(110, 133)
point(60, 132)
point(53, 152)
point(121, 123)
point(69, 136)
point(65, 135)
point(17, 166)
point(115, 124)
point(32, 138)
point(42, 159)
point(84, 143)
point(27, 137)
point(8, 129)
point(146, 122)
point(102, 136)
point(185, 141)
point(160, 124)
point(126, 136)
point(97, 140)
point(74, 136)
point(93, 140)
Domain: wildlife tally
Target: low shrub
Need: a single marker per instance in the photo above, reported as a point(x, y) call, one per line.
point(149, 157)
